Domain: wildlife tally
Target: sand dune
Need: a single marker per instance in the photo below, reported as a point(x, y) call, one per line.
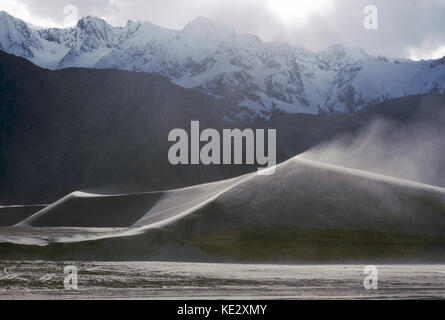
point(306, 211)
point(80, 209)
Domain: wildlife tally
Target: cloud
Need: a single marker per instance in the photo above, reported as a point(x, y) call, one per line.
point(407, 28)
point(21, 10)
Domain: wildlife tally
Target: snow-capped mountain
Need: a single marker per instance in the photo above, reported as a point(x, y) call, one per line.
point(259, 77)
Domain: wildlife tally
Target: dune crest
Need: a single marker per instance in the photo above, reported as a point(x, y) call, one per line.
point(304, 211)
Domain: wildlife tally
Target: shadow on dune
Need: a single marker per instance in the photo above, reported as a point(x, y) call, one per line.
point(11, 215)
point(305, 212)
point(89, 210)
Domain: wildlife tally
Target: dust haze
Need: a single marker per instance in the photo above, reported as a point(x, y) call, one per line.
point(413, 150)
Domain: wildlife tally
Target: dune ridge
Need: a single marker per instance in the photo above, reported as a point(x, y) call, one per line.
point(306, 211)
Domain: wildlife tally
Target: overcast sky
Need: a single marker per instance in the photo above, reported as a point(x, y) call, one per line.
point(407, 28)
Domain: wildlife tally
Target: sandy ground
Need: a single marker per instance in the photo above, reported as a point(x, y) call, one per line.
point(170, 280)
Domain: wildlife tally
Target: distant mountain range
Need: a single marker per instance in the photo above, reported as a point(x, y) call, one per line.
point(256, 78)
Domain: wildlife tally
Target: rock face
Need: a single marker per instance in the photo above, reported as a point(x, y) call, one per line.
point(258, 77)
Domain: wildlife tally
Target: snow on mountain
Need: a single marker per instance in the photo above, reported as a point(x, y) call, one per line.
point(16, 37)
point(258, 77)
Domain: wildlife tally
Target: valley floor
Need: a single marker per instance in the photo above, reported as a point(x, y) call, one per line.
point(173, 280)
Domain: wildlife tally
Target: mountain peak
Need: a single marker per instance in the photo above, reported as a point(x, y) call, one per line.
point(4, 14)
point(16, 37)
point(97, 32)
point(202, 20)
point(337, 56)
point(92, 22)
point(354, 53)
point(6, 17)
point(204, 28)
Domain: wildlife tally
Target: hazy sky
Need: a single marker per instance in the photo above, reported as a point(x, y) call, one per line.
point(407, 28)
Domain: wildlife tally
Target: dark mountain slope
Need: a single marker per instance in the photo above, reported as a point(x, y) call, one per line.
point(80, 129)
point(106, 130)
